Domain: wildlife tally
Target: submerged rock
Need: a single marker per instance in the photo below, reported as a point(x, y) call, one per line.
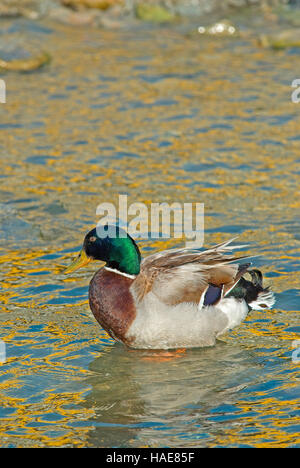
point(20, 53)
point(281, 40)
point(192, 8)
point(25, 64)
point(14, 8)
point(98, 4)
point(153, 13)
point(162, 9)
point(75, 18)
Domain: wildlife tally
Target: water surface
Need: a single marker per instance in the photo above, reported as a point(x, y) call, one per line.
point(159, 115)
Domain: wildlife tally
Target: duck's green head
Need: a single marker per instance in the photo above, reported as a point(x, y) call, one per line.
point(112, 245)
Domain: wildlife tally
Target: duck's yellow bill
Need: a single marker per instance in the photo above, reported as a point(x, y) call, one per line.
point(80, 261)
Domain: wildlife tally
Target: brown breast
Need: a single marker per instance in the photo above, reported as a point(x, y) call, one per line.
point(112, 303)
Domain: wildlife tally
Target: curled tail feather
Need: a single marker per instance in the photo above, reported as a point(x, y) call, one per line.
point(253, 292)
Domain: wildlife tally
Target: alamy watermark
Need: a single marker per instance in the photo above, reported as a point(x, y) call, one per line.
point(296, 93)
point(2, 92)
point(296, 352)
point(155, 221)
point(2, 352)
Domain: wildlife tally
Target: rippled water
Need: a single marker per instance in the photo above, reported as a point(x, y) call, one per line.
point(159, 115)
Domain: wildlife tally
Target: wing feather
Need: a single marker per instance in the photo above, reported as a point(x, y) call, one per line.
point(182, 275)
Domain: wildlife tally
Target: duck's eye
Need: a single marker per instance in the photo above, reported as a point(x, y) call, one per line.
point(92, 239)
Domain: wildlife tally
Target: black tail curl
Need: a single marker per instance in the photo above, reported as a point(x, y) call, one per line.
point(251, 291)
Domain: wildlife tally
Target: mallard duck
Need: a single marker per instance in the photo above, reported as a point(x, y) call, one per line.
point(176, 298)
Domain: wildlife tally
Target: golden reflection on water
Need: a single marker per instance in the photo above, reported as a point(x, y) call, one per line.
point(160, 116)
